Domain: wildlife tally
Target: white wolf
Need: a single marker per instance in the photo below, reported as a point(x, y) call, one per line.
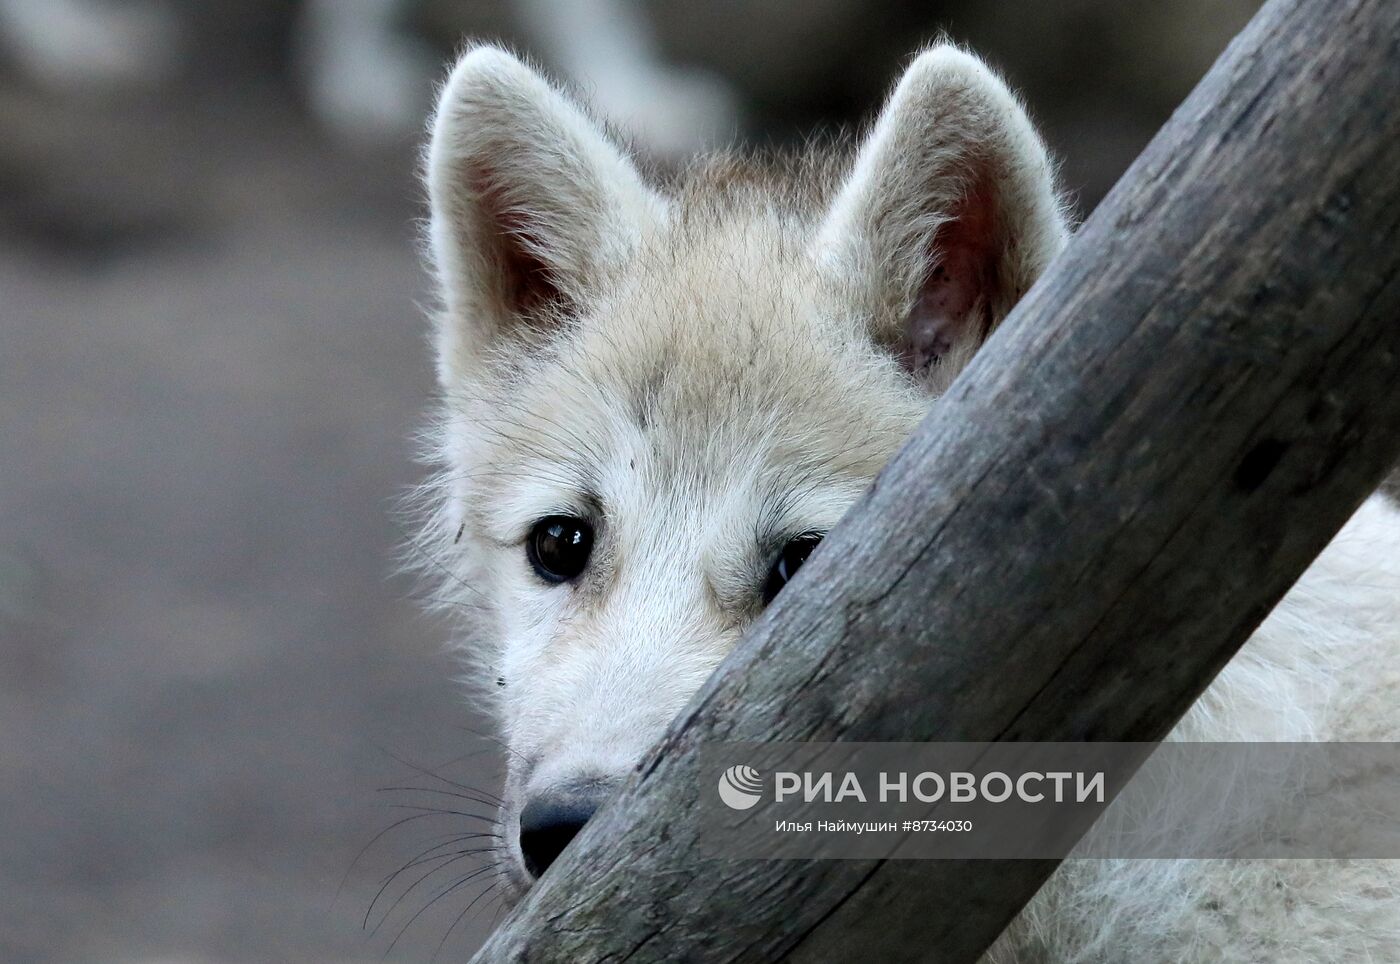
point(656, 400)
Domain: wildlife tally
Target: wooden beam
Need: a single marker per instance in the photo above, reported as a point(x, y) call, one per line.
point(1142, 460)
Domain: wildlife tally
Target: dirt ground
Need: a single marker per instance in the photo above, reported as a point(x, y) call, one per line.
point(209, 379)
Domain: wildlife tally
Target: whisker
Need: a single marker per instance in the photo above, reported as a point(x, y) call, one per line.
point(494, 739)
point(444, 860)
point(489, 799)
point(442, 567)
point(452, 840)
point(472, 754)
point(428, 772)
point(425, 856)
point(488, 888)
point(438, 811)
point(460, 882)
point(374, 840)
point(500, 905)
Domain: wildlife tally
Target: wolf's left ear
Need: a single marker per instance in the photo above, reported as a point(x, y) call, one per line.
point(949, 214)
point(531, 205)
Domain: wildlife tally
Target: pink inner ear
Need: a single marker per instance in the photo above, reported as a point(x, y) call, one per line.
point(955, 302)
point(527, 282)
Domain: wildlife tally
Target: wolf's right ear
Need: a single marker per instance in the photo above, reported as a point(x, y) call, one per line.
point(949, 214)
point(531, 204)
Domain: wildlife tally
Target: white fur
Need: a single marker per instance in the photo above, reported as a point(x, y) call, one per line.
point(1322, 666)
point(708, 371)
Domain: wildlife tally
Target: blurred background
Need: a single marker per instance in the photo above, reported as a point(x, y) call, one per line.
point(212, 364)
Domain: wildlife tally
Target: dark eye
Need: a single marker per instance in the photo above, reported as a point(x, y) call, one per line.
point(792, 557)
point(558, 547)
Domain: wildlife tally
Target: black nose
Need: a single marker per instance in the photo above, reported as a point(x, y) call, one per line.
point(549, 822)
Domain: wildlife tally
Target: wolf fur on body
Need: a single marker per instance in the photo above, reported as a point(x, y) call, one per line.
point(708, 370)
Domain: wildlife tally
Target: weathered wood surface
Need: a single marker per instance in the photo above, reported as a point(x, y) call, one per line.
point(1142, 460)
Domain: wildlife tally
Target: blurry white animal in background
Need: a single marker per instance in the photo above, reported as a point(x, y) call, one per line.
point(368, 79)
point(364, 78)
point(91, 45)
point(608, 48)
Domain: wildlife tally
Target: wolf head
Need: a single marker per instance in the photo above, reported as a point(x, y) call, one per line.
point(656, 400)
